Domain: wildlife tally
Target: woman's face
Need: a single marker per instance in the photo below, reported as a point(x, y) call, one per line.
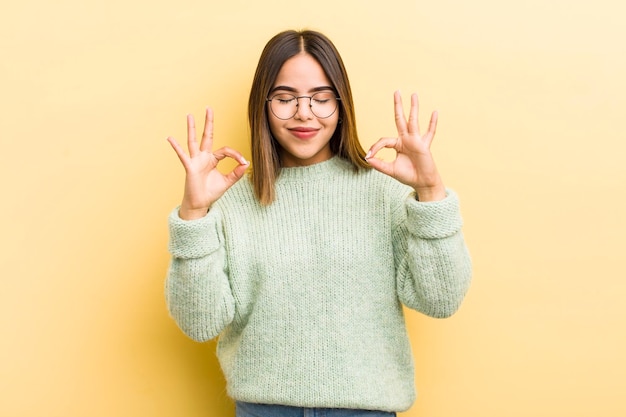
point(304, 138)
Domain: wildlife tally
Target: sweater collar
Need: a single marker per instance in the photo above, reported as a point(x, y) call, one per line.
point(323, 169)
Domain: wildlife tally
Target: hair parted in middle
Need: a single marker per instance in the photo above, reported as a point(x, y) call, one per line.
point(266, 162)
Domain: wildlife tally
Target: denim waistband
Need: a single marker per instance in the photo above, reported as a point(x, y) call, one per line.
point(245, 409)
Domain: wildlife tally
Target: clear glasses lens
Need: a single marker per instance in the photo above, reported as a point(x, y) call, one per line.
point(323, 104)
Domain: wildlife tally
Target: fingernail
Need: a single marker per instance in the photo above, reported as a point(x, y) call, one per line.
point(244, 162)
point(368, 154)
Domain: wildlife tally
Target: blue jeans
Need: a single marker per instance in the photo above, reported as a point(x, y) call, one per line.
point(270, 410)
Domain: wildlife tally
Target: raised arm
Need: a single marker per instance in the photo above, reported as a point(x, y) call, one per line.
point(197, 289)
point(433, 264)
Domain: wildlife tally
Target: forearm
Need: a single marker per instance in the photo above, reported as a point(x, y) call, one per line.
point(435, 268)
point(438, 275)
point(199, 297)
point(197, 288)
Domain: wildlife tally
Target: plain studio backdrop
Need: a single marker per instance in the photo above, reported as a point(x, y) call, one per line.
point(531, 97)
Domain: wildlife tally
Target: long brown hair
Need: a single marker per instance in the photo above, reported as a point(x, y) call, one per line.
point(266, 162)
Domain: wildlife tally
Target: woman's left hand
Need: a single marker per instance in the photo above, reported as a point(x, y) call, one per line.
point(414, 164)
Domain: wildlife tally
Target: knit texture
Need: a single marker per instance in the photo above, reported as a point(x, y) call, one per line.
point(306, 294)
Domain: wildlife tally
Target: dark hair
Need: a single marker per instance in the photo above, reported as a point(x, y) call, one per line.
point(266, 163)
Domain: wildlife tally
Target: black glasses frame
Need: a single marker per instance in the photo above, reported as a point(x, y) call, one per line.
point(297, 98)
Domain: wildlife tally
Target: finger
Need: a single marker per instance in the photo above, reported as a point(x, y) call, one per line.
point(180, 152)
point(432, 126)
point(207, 134)
point(382, 166)
point(381, 143)
point(191, 135)
point(414, 126)
point(231, 153)
point(399, 113)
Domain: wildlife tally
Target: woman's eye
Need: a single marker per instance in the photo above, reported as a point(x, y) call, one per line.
point(285, 100)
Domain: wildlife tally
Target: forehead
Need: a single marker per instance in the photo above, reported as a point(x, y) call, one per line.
point(302, 73)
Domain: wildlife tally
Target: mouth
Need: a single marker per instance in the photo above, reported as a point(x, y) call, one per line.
point(303, 132)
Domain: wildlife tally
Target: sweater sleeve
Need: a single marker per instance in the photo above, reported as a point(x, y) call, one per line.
point(433, 264)
point(197, 289)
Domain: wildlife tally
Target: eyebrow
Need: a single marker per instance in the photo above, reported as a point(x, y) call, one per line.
point(293, 90)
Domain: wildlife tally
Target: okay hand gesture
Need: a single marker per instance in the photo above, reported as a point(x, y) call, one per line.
point(204, 184)
point(414, 164)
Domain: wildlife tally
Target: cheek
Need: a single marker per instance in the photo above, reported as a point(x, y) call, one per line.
point(332, 123)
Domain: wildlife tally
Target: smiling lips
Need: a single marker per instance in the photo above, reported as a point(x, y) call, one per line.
point(303, 132)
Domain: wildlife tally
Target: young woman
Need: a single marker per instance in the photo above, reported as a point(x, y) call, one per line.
point(302, 266)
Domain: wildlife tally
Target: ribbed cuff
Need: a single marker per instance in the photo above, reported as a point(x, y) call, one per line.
point(193, 238)
point(434, 219)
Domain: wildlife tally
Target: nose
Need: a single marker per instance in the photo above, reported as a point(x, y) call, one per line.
point(303, 110)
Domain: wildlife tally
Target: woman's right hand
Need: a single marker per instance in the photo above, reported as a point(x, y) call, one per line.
point(204, 184)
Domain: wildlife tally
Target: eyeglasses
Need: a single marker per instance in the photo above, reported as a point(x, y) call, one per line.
point(322, 104)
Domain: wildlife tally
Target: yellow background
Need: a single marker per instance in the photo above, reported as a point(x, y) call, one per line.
point(531, 98)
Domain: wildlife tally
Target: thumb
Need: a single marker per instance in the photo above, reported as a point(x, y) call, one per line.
point(380, 165)
point(238, 172)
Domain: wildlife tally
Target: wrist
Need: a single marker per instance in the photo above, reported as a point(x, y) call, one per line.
point(192, 214)
point(435, 193)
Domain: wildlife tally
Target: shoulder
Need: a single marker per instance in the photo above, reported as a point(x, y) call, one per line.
point(385, 185)
point(367, 187)
point(240, 194)
point(372, 177)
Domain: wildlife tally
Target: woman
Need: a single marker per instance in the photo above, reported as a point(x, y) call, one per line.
point(302, 267)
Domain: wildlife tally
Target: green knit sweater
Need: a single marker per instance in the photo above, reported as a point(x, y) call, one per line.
point(306, 294)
